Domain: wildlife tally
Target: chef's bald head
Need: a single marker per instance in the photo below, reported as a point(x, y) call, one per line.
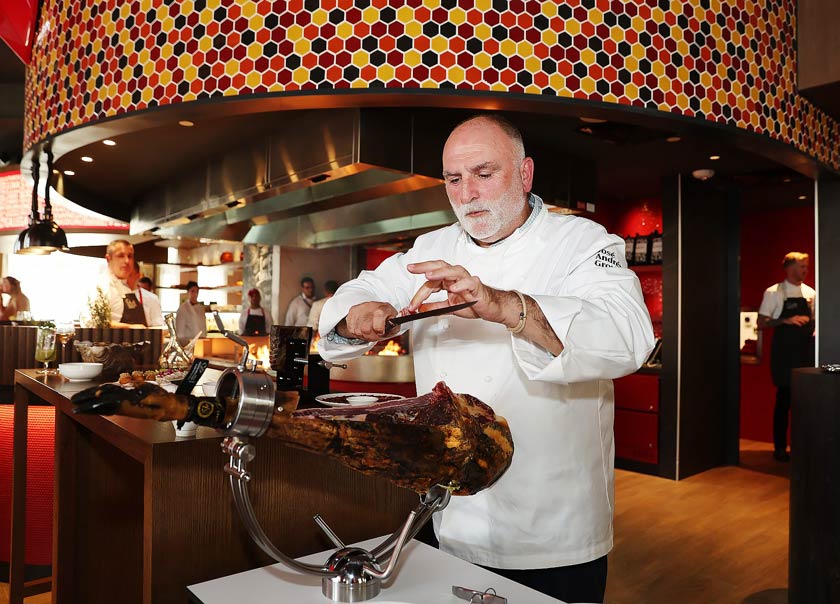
point(502, 123)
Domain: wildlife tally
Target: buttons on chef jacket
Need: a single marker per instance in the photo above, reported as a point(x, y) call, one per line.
point(443, 374)
point(488, 378)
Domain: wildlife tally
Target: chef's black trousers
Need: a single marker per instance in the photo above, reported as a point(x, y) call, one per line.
point(585, 582)
point(780, 419)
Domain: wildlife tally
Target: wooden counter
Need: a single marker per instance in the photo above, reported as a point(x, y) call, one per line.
point(139, 514)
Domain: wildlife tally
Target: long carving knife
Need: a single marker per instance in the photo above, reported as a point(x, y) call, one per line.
point(393, 322)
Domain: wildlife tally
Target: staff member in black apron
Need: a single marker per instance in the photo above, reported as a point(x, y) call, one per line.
point(788, 307)
point(119, 286)
point(255, 319)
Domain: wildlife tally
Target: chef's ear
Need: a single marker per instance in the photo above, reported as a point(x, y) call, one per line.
point(526, 173)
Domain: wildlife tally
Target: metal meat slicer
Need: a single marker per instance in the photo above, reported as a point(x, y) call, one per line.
point(350, 574)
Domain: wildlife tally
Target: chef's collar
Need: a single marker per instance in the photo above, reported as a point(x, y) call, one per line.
point(536, 205)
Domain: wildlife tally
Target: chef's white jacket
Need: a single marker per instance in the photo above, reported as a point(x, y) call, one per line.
point(554, 505)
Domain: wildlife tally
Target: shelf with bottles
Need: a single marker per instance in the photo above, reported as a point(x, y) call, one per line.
point(643, 250)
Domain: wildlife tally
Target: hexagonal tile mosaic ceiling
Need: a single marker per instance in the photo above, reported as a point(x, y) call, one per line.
point(731, 62)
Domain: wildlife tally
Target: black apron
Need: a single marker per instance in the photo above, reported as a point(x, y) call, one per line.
point(792, 346)
point(254, 325)
point(133, 310)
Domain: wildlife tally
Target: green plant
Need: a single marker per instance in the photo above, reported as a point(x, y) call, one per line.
point(100, 309)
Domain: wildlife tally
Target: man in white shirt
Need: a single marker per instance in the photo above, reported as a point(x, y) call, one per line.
point(330, 288)
point(298, 311)
point(557, 316)
point(131, 306)
point(255, 319)
point(190, 320)
point(788, 307)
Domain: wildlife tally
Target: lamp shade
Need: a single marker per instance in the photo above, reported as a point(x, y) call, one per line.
point(43, 237)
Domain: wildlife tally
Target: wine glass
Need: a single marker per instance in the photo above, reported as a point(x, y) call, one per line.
point(45, 348)
point(64, 331)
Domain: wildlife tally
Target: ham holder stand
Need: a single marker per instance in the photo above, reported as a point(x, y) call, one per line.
point(350, 574)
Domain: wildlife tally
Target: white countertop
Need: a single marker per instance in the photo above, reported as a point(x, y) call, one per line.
point(424, 575)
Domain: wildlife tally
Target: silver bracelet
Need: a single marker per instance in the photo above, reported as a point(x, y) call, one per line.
point(337, 338)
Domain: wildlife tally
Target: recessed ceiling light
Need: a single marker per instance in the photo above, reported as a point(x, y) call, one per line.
point(87, 159)
point(802, 197)
point(787, 180)
point(109, 142)
point(186, 123)
point(714, 157)
point(592, 120)
point(69, 173)
point(673, 139)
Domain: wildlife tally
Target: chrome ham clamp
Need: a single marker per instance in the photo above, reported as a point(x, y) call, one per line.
point(350, 574)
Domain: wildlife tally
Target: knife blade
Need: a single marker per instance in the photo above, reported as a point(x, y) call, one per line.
point(394, 321)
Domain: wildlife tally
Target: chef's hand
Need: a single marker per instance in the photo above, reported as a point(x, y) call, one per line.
point(797, 320)
point(366, 321)
point(494, 305)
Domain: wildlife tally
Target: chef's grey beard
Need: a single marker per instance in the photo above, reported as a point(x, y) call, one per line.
point(500, 214)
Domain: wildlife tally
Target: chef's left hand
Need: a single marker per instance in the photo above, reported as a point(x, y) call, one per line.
point(491, 304)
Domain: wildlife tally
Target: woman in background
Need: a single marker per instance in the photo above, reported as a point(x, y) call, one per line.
point(18, 303)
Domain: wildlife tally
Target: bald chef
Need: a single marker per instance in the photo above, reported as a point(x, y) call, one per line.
point(557, 316)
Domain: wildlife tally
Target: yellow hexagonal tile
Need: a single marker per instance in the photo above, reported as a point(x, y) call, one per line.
point(549, 8)
point(184, 61)
point(413, 29)
point(360, 58)
point(482, 60)
point(596, 17)
point(484, 5)
point(617, 34)
point(302, 47)
point(430, 83)
point(300, 75)
point(631, 63)
point(507, 48)
point(499, 87)
point(370, 15)
point(483, 32)
point(549, 38)
point(249, 9)
point(587, 56)
point(255, 22)
point(440, 44)
point(205, 44)
point(344, 30)
point(705, 80)
point(385, 72)
point(683, 74)
point(705, 106)
point(319, 16)
point(412, 58)
point(456, 74)
point(147, 94)
point(166, 24)
point(683, 102)
point(533, 64)
point(631, 91)
point(405, 14)
point(657, 68)
point(253, 79)
point(358, 83)
point(637, 24)
point(571, 27)
point(664, 83)
point(431, 4)
point(232, 67)
point(524, 49)
point(588, 85)
point(205, 17)
point(457, 16)
point(295, 32)
point(190, 73)
point(164, 77)
point(254, 51)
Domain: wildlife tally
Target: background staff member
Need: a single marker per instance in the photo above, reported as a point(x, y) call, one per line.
point(124, 297)
point(190, 320)
point(255, 319)
point(557, 316)
point(298, 311)
point(789, 308)
point(18, 302)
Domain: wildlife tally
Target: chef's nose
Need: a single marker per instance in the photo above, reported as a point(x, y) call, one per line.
point(467, 191)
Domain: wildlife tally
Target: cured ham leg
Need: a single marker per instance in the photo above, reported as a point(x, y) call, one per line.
point(440, 438)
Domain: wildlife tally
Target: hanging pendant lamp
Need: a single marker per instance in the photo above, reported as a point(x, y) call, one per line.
point(43, 236)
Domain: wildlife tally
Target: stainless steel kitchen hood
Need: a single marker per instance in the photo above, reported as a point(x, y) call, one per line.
point(317, 178)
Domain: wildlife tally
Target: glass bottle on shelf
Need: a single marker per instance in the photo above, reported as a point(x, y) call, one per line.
point(656, 247)
point(640, 249)
point(629, 249)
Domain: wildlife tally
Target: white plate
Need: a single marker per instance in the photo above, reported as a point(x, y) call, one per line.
point(355, 399)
